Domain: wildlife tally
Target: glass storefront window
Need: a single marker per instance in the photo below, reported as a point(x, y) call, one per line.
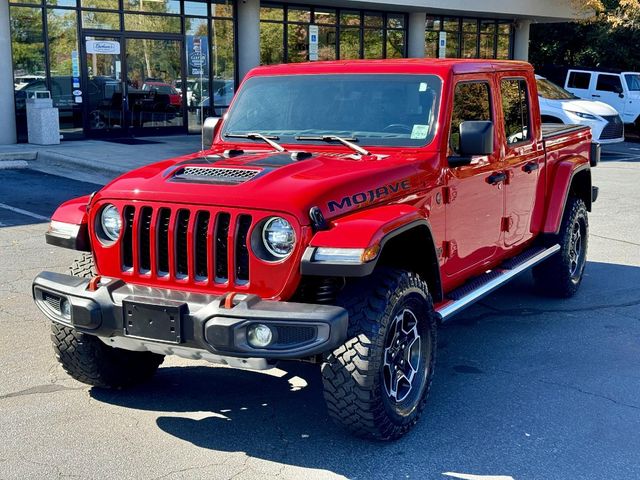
point(197, 86)
point(63, 45)
point(272, 13)
point(349, 43)
point(271, 43)
point(431, 44)
point(326, 43)
point(395, 43)
point(164, 6)
point(105, 4)
point(350, 18)
point(373, 20)
point(488, 26)
point(453, 44)
point(223, 63)
point(469, 45)
point(504, 47)
point(29, 72)
point(101, 20)
point(297, 43)
point(62, 3)
point(325, 16)
point(222, 8)
point(395, 21)
point(195, 8)
point(487, 46)
point(373, 43)
point(135, 22)
point(451, 24)
point(299, 14)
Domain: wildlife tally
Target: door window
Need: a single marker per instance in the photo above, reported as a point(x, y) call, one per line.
point(515, 107)
point(471, 101)
point(609, 83)
point(579, 80)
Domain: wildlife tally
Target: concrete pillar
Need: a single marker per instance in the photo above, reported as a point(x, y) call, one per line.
point(7, 106)
point(415, 42)
point(521, 40)
point(248, 36)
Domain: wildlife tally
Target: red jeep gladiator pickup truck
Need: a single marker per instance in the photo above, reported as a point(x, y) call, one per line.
point(337, 214)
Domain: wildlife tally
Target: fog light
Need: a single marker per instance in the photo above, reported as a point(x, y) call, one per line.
point(259, 335)
point(65, 308)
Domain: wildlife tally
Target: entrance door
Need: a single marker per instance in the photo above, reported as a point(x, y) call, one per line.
point(103, 96)
point(156, 100)
point(133, 85)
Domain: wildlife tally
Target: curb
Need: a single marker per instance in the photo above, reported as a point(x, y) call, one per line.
point(89, 166)
point(13, 164)
point(12, 156)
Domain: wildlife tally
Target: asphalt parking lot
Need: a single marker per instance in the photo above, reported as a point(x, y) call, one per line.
point(526, 387)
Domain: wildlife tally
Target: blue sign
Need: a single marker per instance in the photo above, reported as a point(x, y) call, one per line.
point(197, 55)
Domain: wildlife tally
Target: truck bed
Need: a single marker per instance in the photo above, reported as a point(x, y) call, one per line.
point(556, 129)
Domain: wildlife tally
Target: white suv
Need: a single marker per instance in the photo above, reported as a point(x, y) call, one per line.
point(620, 90)
point(559, 106)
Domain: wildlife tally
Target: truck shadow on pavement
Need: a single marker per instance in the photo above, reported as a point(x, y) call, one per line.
point(496, 364)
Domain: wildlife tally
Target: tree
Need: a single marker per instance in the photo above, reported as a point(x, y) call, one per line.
point(605, 36)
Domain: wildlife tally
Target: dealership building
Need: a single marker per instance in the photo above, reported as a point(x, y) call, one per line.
point(143, 67)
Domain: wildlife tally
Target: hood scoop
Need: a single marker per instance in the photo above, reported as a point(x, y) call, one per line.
point(221, 175)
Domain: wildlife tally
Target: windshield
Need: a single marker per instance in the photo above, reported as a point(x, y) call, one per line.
point(551, 91)
point(633, 81)
point(395, 110)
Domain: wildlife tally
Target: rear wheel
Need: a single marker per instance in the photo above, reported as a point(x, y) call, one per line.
point(561, 274)
point(87, 359)
point(376, 384)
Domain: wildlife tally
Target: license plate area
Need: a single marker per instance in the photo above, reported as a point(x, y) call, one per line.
point(159, 320)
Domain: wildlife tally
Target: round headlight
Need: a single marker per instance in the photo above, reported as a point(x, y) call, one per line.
point(278, 237)
point(111, 222)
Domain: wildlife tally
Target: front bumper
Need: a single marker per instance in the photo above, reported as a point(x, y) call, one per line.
point(113, 309)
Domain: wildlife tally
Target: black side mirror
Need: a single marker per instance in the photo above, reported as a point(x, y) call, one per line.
point(476, 138)
point(621, 95)
point(209, 131)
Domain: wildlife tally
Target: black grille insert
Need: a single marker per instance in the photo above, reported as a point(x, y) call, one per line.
point(164, 218)
point(201, 256)
point(145, 239)
point(242, 251)
point(127, 237)
point(182, 231)
point(222, 247)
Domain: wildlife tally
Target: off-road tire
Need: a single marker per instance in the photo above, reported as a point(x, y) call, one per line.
point(355, 391)
point(558, 276)
point(87, 359)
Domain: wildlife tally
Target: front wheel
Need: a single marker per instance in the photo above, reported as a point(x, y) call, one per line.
point(376, 384)
point(561, 274)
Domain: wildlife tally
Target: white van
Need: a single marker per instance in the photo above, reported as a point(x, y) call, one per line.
point(620, 90)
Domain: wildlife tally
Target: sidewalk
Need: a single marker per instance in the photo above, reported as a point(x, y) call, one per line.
point(97, 161)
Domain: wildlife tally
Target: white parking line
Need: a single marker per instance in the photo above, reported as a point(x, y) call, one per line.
point(24, 212)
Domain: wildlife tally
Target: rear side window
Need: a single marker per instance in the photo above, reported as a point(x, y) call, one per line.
point(609, 83)
point(579, 80)
point(515, 106)
point(471, 101)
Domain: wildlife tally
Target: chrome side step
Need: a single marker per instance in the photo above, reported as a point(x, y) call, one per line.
point(492, 280)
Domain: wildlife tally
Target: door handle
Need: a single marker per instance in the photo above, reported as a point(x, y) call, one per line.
point(497, 178)
point(530, 167)
point(597, 96)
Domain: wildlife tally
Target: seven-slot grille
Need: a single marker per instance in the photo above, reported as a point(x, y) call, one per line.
point(186, 243)
point(613, 129)
point(216, 174)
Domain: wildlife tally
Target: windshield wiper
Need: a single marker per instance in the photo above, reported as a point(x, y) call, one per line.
point(258, 136)
point(334, 138)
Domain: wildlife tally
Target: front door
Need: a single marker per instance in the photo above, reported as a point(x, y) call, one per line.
point(156, 101)
point(103, 92)
point(475, 205)
point(133, 85)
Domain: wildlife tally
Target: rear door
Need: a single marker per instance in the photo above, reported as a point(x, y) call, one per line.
point(523, 157)
point(475, 205)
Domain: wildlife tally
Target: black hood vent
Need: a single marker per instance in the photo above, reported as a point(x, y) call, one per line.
point(203, 174)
